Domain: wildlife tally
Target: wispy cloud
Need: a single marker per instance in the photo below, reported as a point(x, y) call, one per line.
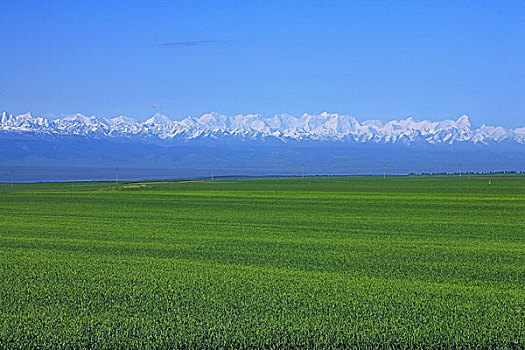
point(153, 105)
point(189, 43)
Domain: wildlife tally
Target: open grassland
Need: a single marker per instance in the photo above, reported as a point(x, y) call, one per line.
point(264, 263)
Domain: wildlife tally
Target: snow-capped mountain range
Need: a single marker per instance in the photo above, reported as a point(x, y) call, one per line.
point(324, 126)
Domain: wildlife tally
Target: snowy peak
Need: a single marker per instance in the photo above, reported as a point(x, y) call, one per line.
point(463, 121)
point(158, 119)
point(121, 120)
point(320, 127)
point(79, 119)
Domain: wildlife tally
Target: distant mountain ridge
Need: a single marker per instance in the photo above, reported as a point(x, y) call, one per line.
point(215, 126)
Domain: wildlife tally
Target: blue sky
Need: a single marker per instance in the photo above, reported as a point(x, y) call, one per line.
point(370, 59)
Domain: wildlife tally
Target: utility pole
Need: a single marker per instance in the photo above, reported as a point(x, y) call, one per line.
point(303, 170)
point(116, 177)
point(384, 171)
point(212, 173)
point(12, 178)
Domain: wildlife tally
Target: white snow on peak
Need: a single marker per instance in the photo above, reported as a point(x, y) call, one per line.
point(80, 118)
point(158, 119)
point(463, 121)
point(121, 119)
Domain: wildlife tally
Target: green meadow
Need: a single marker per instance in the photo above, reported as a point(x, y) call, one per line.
point(321, 262)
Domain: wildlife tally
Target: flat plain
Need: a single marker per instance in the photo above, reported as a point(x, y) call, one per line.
point(319, 262)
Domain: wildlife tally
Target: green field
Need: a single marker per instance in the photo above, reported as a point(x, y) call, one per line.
point(264, 263)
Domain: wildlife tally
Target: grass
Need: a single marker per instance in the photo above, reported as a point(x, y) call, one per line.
point(410, 261)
